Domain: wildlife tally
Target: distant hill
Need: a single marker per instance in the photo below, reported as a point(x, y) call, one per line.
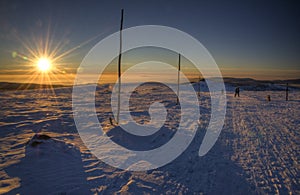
point(262, 85)
point(26, 86)
point(290, 81)
point(249, 84)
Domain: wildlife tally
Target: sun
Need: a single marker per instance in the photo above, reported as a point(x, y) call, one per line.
point(44, 64)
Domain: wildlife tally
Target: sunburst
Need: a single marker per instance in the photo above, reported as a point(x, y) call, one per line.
point(44, 64)
point(46, 60)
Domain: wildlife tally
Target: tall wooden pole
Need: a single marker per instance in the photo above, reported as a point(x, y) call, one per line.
point(178, 78)
point(287, 92)
point(199, 87)
point(119, 66)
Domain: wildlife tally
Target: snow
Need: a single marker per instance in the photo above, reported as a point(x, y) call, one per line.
point(257, 151)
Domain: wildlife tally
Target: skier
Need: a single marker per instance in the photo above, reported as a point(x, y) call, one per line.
point(237, 92)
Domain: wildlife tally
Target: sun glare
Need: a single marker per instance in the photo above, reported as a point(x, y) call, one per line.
point(44, 64)
point(45, 59)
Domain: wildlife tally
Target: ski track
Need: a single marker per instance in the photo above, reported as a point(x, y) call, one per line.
point(268, 143)
point(256, 153)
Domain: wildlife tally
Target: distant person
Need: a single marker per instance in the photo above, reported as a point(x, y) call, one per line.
point(237, 92)
point(111, 121)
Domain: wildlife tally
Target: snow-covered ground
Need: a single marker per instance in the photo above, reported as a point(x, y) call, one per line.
point(257, 152)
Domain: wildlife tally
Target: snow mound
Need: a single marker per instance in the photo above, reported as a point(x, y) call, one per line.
point(50, 165)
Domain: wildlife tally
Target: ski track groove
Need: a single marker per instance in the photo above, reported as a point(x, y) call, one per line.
point(268, 167)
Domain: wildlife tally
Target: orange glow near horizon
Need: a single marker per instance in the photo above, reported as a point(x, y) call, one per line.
point(51, 78)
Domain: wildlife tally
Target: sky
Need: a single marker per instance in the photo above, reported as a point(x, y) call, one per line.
point(254, 39)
